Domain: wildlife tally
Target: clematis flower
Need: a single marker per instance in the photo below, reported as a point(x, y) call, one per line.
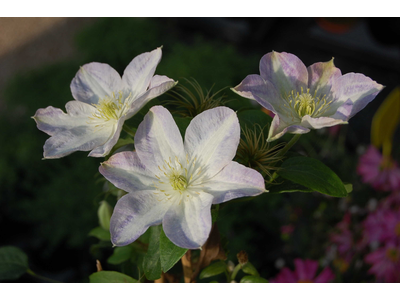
point(305, 271)
point(385, 263)
point(174, 182)
point(381, 172)
point(103, 101)
point(306, 98)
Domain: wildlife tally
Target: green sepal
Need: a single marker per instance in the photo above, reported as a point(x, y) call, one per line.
point(248, 268)
point(213, 269)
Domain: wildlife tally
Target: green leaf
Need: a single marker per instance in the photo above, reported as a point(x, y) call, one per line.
point(104, 214)
point(253, 279)
point(100, 233)
point(213, 269)
point(151, 262)
point(348, 187)
point(13, 263)
point(313, 174)
point(182, 124)
point(120, 255)
point(287, 186)
point(248, 268)
point(170, 254)
point(110, 277)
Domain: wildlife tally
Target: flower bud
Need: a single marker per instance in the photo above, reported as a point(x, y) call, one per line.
point(104, 213)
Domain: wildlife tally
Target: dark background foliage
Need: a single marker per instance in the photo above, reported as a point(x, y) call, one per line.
point(48, 207)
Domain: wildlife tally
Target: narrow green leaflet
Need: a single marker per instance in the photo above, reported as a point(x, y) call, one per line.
point(313, 174)
point(248, 268)
point(110, 277)
point(213, 269)
point(151, 262)
point(170, 254)
point(13, 263)
point(100, 233)
point(253, 279)
point(120, 255)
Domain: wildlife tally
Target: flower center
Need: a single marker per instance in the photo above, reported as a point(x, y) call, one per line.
point(392, 254)
point(298, 105)
point(178, 182)
point(110, 108)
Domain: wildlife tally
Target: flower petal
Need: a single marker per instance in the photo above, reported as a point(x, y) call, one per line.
point(95, 81)
point(158, 86)
point(256, 88)
point(127, 172)
point(188, 224)
point(285, 71)
point(325, 276)
point(321, 76)
point(279, 127)
point(133, 214)
point(306, 269)
point(212, 137)
point(104, 149)
point(359, 88)
point(321, 122)
point(158, 139)
point(140, 71)
point(235, 181)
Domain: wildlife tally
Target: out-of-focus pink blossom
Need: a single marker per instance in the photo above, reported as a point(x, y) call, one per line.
point(382, 226)
point(287, 229)
point(382, 173)
point(305, 271)
point(385, 263)
point(334, 130)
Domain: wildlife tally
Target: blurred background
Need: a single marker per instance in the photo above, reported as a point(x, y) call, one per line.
point(48, 207)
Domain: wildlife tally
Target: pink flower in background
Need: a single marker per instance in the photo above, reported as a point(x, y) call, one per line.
point(305, 271)
point(382, 226)
point(385, 263)
point(383, 174)
point(392, 201)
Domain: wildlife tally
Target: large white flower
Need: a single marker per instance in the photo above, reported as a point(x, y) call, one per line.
point(174, 182)
point(306, 98)
point(103, 101)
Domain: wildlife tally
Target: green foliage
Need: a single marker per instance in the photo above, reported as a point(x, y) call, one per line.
point(249, 117)
point(104, 214)
point(312, 174)
point(213, 269)
point(287, 186)
point(13, 263)
point(121, 254)
point(152, 262)
point(100, 233)
point(248, 268)
point(170, 254)
point(110, 277)
point(253, 279)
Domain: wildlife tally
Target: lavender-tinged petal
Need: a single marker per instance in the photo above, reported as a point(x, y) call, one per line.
point(359, 88)
point(256, 88)
point(321, 76)
point(344, 111)
point(79, 138)
point(140, 71)
point(158, 86)
point(133, 214)
point(235, 181)
point(95, 81)
point(53, 120)
point(285, 71)
point(105, 149)
point(127, 172)
point(158, 139)
point(188, 224)
point(279, 127)
point(321, 122)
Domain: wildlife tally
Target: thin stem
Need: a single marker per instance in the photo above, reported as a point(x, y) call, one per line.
point(289, 145)
point(129, 131)
point(235, 271)
point(30, 272)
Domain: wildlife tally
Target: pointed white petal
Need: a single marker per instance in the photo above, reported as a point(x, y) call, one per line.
point(188, 224)
point(235, 181)
point(133, 214)
point(279, 127)
point(105, 148)
point(212, 137)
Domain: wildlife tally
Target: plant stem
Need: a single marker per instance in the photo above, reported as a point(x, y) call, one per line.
point(30, 272)
point(289, 145)
point(129, 131)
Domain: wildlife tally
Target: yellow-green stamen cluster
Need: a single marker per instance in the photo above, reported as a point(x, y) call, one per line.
point(298, 105)
point(178, 182)
point(110, 108)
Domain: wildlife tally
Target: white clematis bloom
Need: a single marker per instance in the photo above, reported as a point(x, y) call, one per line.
point(174, 182)
point(103, 101)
